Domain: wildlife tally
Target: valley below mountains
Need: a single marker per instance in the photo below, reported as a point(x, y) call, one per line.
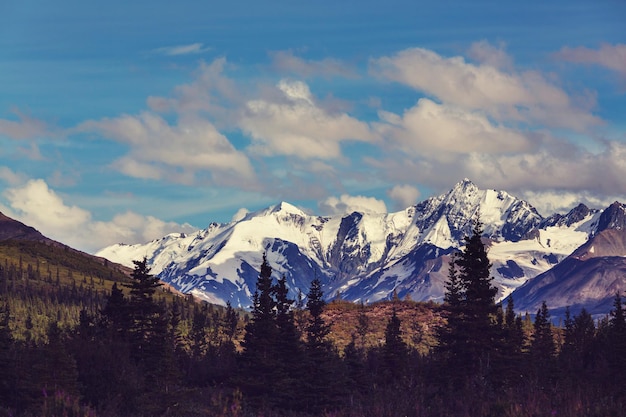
point(577, 259)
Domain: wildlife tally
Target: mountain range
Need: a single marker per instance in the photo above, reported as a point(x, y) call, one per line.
point(575, 259)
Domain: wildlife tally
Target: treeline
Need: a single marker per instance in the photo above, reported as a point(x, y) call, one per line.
point(140, 356)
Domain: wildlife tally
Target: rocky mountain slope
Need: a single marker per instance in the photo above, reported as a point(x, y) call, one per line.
point(590, 276)
point(368, 257)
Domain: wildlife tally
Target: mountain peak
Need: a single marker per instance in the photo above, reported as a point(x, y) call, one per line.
point(613, 217)
point(464, 186)
point(284, 207)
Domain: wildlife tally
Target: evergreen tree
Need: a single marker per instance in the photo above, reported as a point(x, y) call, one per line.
point(478, 301)
point(509, 355)
point(288, 348)
point(616, 338)
point(452, 335)
point(7, 374)
point(57, 371)
point(317, 329)
point(230, 322)
point(322, 381)
point(147, 332)
point(259, 362)
point(514, 333)
point(584, 338)
point(468, 339)
point(614, 347)
point(115, 314)
point(394, 351)
point(362, 327)
point(543, 346)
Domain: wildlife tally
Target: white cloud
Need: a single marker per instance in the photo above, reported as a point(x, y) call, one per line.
point(488, 54)
point(557, 166)
point(609, 56)
point(506, 96)
point(549, 202)
point(439, 130)
point(346, 204)
point(190, 49)
point(286, 61)
point(210, 92)
point(36, 205)
point(404, 195)
point(173, 152)
point(293, 124)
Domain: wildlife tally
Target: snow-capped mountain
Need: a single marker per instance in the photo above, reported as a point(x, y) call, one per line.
point(590, 276)
point(364, 256)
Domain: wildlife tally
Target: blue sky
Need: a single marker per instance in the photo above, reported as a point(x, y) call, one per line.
point(124, 121)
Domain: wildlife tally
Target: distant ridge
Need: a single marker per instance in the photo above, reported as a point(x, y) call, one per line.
point(13, 229)
point(363, 256)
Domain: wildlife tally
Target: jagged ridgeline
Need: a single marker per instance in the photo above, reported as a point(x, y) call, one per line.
point(369, 257)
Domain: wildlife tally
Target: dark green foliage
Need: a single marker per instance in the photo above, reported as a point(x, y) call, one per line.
point(616, 335)
point(579, 345)
point(394, 351)
point(471, 335)
point(542, 347)
point(322, 383)
point(259, 362)
point(88, 364)
point(317, 330)
point(58, 368)
point(289, 348)
point(8, 372)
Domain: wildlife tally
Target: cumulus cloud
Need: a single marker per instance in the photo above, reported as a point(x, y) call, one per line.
point(559, 166)
point(190, 49)
point(36, 205)
point(346, 204)
point(609, 56)
point(438, 130)
point(159, 150)
point(292, 123)
point(503, 95)
point(403, 195)
point(286, 61)
point(486, 53)
point(210, 92)
point(548, 202)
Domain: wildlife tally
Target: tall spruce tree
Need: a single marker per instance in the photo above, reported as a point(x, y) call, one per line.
point(321, 384)
point(394, 351)
point(616, 338)
point(146, 315)
point(259, 362)
point(543, 348)
point(8, 373)
point(115, 316)
point(509, 356)
point(149, 338)
point(468, 340)
point(289, 349)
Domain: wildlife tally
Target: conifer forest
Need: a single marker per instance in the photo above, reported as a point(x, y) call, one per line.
point(90, 342)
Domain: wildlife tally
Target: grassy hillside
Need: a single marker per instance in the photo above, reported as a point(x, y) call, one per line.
point(44, 281)
point(367, 323)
